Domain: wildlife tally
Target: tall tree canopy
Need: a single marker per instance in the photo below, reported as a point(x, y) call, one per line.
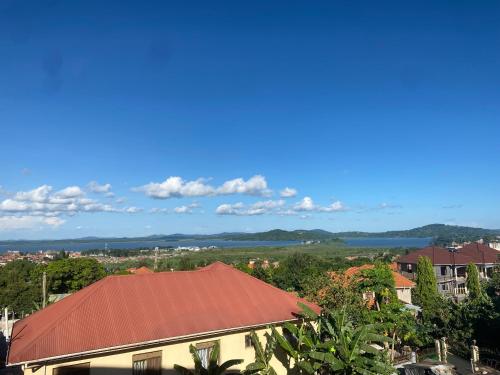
point(426, 293)
point(473, 283)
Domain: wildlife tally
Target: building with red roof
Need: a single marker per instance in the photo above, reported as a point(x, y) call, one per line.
point(450, 265)
point(148, 321)
point(402, 285)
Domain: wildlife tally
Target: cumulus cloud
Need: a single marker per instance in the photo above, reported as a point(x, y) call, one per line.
point(95, 187)
point(307, 204)
point(288, 193)
point(42, 201)
point(69, 192)
point(28, 222)
point(258, 208)
point(176, 187)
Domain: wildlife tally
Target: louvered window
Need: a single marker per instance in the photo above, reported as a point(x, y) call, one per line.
point(147, 363)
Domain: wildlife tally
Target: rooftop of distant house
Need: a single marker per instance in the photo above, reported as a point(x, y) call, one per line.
point(472, 253)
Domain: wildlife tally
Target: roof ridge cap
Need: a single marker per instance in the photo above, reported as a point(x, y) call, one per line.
point(70, 311)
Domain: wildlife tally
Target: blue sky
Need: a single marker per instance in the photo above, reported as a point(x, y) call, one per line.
point(193, 117)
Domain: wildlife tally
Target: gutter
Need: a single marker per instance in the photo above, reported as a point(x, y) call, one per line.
point(43, 361)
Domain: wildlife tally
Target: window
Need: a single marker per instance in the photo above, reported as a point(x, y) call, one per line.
point(443, 270)
point(409, 268)
point(204, 350)
point(147, 363)
point(248, 341)
point(79, 369)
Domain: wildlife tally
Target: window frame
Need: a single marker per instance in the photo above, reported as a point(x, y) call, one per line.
point(208, 345)
point(146, 357)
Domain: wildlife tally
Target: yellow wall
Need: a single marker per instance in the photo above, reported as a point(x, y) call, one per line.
point(232, 346)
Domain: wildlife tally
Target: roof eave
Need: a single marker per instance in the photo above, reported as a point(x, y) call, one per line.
point(169, 340)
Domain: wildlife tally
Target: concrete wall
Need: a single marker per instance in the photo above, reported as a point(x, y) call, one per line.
point(404, 294)
point(232, 346)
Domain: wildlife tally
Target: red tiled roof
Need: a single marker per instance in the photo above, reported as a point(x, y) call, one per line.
point(399, 280)
point(128, 310)
point(438, 255)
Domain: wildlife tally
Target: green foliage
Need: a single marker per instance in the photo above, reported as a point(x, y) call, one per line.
point(331, 343)
point(473, 284)
point(186, 264)
point(294, 270)
point(426, 293)
point(213, 366)
point(71, 274)
point(379, 280)
point(19, 288)
point(262, 363)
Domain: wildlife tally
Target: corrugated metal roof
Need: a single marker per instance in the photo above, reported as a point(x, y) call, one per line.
point(132, 309)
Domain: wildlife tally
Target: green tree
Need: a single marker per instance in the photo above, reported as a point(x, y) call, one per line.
point(213, 366)
point(295, 269)
point(19, 288)
point(72, 274)
point(426, 293)
point(473, 284)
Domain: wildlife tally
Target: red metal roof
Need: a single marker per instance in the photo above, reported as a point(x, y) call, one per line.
point(475, 253)
point(132, 309)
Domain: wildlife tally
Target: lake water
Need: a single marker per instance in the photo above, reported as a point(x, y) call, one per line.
point(387, 242)
point(79, 246)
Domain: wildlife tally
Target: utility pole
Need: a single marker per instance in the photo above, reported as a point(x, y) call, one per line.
point(156, 258)
point(6, 317)
point(44, 289)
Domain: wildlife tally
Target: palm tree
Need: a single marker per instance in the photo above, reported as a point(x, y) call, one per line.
point(213, 367)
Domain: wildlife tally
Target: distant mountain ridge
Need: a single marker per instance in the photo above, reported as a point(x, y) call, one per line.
point(439, 232)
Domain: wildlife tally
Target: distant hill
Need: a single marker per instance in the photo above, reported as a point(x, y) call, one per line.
point(283, 235)
point(454, 232)
point(440, 233)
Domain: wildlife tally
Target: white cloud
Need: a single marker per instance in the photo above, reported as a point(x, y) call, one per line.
point(95, 187)
point(186, 209)
point(69, 192)
point(28, 222)
point(39, 194)
point(176, 187)
point(256, 185)
point(258, 208)
point(42, 206)
point(307, 204)
point(133, 210)
point(288, 193)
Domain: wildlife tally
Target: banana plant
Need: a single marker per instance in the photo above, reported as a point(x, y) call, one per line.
point(330, 344)
point(262, 363)
point(213, 367)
